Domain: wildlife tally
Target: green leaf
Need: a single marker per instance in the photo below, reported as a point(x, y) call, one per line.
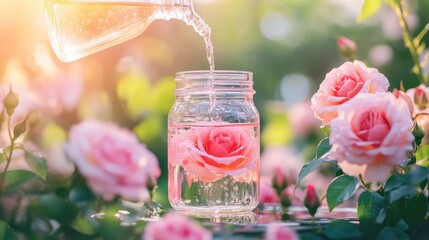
point(111, 229)
point(20, 127)
point(388, 233)
point(55, 207)
point(82, 225)
point(369, 206)
point(341, 189)
point(400, 192)
point(415, 211)
point(369, 8)
point(3, 156)
point(342, 229)
point(37, 163)
point(418, 131)
point(325, 130)
point(395, 181)
point(17, 178)
point(323, 147)
point(310, 167)
point(418, 174)
point(6, 232)
point(422, 155)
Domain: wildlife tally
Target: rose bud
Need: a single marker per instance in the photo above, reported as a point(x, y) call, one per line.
point(420, 98)
point(279, 181)
point(347, 48)
point(311, 200)
point(10, 102)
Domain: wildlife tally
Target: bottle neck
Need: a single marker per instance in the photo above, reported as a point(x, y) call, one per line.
point(177, 9)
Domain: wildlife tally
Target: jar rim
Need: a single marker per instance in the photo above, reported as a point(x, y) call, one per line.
point(215, 74)
point(218, 82)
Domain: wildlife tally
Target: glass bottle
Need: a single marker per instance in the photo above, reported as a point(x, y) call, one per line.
point(213, 143)
point(78, 28)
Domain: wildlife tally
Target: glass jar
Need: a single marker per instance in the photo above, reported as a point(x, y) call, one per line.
point(213, 143)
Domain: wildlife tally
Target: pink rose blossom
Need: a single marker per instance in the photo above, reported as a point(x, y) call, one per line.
point(212, 152)
point(302, 119)
point(278, 232)
point(267, 194)
point(403, 96)
point(344, 83)
point(371, 134)
point(175, 227)
point(290, 163)
point(58, 92)
point(420, 99)
point(112, 160)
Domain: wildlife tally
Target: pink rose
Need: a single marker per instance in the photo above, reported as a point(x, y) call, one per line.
point(280, 232)
point(403, 96)
point(58, 92)
point(302, 119)
point(112, 160)
point(267, 194)
point(175, 227)
point(420, 98)
point(210, 153)
point(371, 134)
point(344, 83)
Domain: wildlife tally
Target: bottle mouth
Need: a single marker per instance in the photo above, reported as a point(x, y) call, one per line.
point(218, 82)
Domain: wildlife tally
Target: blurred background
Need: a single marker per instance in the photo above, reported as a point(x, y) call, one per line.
point(289, 45)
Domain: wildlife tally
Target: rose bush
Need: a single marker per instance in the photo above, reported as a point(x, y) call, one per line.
point(112, 159)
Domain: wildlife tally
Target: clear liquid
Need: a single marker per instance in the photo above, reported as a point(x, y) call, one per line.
point(78, 28)
point(213, 167)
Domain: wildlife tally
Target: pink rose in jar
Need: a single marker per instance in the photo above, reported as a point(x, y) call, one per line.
point(112, 160)
point(210, 153)
point(371, 134)
point(344, 83)
point(278, 232)
point(176, 227)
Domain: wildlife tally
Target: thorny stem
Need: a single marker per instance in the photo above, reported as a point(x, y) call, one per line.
point(9, 157)
point(408, 40)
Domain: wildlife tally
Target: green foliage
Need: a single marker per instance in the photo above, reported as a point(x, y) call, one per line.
point(422, 155)
point(341, 189)
point(323, 148)
point(369, 206)
point(277, 131)
point(322, 157)
point(3, 156)
point(16, 178)
point(6, 232)
point(416, 207)
point(388, 233)
point(149, 128)
point(341, 230)
point(37, 163)
point(369, 8)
